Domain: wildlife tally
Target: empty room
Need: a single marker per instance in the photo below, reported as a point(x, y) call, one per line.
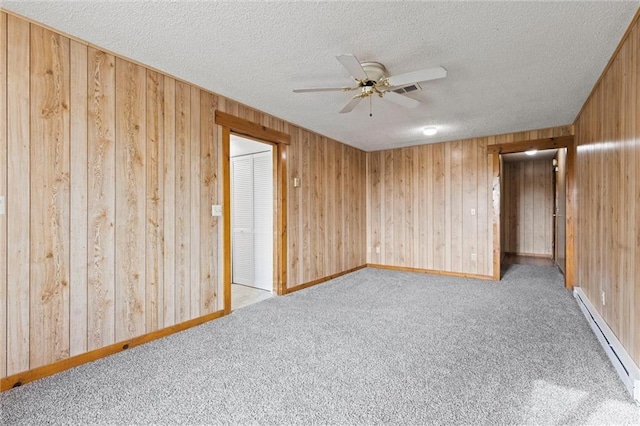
point(339, 213)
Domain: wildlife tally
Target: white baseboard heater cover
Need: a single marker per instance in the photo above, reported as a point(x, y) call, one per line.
point(624, 365)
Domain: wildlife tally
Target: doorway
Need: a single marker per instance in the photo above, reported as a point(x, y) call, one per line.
point(568, 157)
point(528, 207)
point(229, 124)
point(252, 221)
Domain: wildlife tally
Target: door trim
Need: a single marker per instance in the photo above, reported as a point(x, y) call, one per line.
point(232, 124)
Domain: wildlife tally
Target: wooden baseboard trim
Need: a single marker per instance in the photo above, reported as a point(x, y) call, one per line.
point(321, 280)
point(74, 361)
point(431, 271)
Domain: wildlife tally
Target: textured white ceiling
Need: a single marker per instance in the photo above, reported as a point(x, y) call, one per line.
point(512, 66)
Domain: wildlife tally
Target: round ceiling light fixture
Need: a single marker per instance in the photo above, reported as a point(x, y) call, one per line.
point(430, 131)
point(531, 152)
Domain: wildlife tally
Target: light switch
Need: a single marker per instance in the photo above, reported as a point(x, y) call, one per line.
point(1, 204)
point(296, 182)
point(216, 210)
point(473, 212)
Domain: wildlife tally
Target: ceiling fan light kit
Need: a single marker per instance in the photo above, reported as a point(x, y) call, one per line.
point(372, 80)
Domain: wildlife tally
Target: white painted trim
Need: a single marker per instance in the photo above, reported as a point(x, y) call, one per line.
point(623, 363)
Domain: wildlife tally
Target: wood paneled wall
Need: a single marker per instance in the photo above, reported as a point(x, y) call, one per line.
point(420, 199)
point(561, 213)
point(419, 202)
point(109, 170)
point(326, 220)
point(608, 193)
point(527, 224)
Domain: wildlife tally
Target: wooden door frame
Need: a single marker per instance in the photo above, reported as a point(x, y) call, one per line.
point(231, 124)
point(494, 151)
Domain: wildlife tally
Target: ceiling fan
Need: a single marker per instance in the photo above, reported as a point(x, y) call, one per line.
point(372, 80)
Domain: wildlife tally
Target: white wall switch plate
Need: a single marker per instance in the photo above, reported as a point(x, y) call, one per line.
point(296, 182)
point(216, 210)
point(1, 204)
point(473, 212)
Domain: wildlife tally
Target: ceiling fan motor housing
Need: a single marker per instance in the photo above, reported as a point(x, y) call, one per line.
point(375, 72)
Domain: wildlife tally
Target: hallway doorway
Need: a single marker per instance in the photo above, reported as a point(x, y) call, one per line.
point(533, 208)
point(252, 221)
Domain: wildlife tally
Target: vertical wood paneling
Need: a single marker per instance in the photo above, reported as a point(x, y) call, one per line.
point(306, 186)
point(169, 208)
point(439, 212)
point(359, 248)
point(49, 212)
point(470, 190)
point(483, 203)
point(397, 202)
point(374, 207)
point(354, 243)
point(209, 226)
point(101, 109)
point(183, 203)
point(114, 167)
point(341, 204)
point(327, 213)
point(78, 232)
point(387, 246)
point(527, 223)
point(329, 177)
point(3, 192)
point(420, 202)
point(18, 195)
point(294, 212)
point(447, 224)
point(629, 177)
point(608, 194)
point(130, 199)
point(425, 220)
point(154, 245)
point(317, 238)
point(528, 207)
point(456, 204)
point(194, 207)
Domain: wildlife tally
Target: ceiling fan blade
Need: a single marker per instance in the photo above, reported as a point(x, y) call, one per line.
point(417, 76)
point(325, 89)
point(401, 100)
point(351, 105)
point(352, 64)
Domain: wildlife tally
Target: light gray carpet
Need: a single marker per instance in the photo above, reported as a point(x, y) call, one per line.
point(371, 347)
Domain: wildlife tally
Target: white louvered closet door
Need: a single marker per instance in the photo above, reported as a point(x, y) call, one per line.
point(252, 220)
point(242, 220)
point(263, 219)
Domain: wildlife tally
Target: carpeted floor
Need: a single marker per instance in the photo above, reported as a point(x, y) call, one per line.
point(371, 347)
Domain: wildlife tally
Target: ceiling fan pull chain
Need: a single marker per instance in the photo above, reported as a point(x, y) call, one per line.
point(370, 107)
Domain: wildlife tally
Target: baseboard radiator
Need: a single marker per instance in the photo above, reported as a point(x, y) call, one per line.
point(622, 362)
